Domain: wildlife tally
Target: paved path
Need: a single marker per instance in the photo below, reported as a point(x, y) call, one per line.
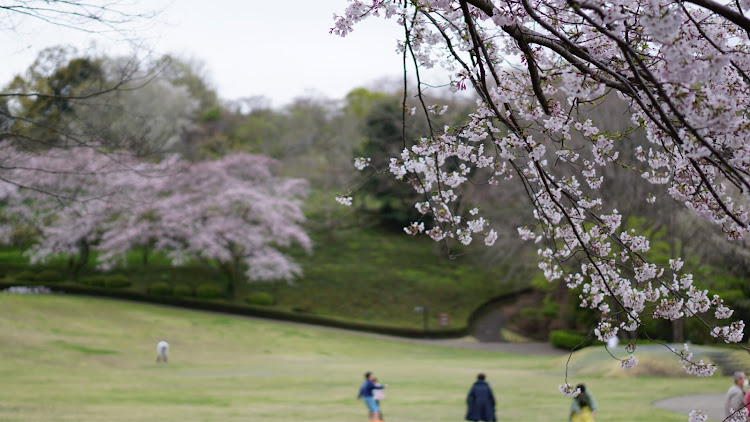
point(711, 405)
point(487, 327)
point(533, 348)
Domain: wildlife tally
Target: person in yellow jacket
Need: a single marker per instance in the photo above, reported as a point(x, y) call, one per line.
point(582, 407)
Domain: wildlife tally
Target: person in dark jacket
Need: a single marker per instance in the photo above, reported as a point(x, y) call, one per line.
point(480, 402)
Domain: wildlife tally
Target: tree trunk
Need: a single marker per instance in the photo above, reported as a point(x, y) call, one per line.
point(678, 326)
point(83, 258)
point(71, 264)
point(227, 269)
point(146, 252)
point(678, 331)
point(230, 289)
point(236, 275)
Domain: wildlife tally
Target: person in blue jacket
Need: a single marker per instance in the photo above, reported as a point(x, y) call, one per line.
point(365, 393)
point(480, 402)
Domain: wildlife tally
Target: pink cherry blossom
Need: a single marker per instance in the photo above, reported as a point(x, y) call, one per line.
point(233, 211)
point(682, 69)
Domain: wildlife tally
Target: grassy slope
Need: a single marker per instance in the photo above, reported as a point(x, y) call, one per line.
point(361, 275)
point(82, 359)
point(361, 272)
point(379, 277)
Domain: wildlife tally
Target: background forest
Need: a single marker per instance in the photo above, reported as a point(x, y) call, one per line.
point(208, 169)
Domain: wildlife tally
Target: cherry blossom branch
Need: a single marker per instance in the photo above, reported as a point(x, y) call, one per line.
point(580, 53)
point(721, 10)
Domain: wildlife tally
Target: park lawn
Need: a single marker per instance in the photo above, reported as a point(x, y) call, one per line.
point(66, 358)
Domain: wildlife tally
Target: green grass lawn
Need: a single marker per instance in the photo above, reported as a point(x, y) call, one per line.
point(65, 358)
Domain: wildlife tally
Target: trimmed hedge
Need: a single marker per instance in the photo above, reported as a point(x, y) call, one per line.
point(568, 340)
point(183, 290)
point(260, 298)
point(117, 281)
point(48, 276)
point(208, 291)
point(94, 280)
point(25, 276)
point(160, 289)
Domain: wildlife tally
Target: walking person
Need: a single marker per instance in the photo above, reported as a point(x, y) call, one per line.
point(365, 393)
point(480, 402)
point(583, 406)
point(162, 348)
point(735, 398)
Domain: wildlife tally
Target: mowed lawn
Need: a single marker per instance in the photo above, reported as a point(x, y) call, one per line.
point(65, 358)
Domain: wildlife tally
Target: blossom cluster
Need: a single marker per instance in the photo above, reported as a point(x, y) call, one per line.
point(682, 69)
point(629, 363)
point(738, 415)
point(697, 416)
point(569, 390)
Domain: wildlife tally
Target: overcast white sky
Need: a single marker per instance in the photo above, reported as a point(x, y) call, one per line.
point(279, 50)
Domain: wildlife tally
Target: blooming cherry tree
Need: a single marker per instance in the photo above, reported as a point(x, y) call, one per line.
point(233, 212)
point(682, 67)
point(67, 195)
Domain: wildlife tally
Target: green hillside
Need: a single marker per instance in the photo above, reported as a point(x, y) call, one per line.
point(380, 277)
point(362, 275)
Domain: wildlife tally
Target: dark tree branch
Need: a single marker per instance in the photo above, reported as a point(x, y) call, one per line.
point(721, 10)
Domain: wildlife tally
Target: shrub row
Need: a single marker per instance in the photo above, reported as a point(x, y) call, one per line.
point(53, 276)
point(205, 291)
point(182, 290)
point(113, 281)
point(202, 291)
point(568, 340)
point(260, 298)
point(44, 276)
